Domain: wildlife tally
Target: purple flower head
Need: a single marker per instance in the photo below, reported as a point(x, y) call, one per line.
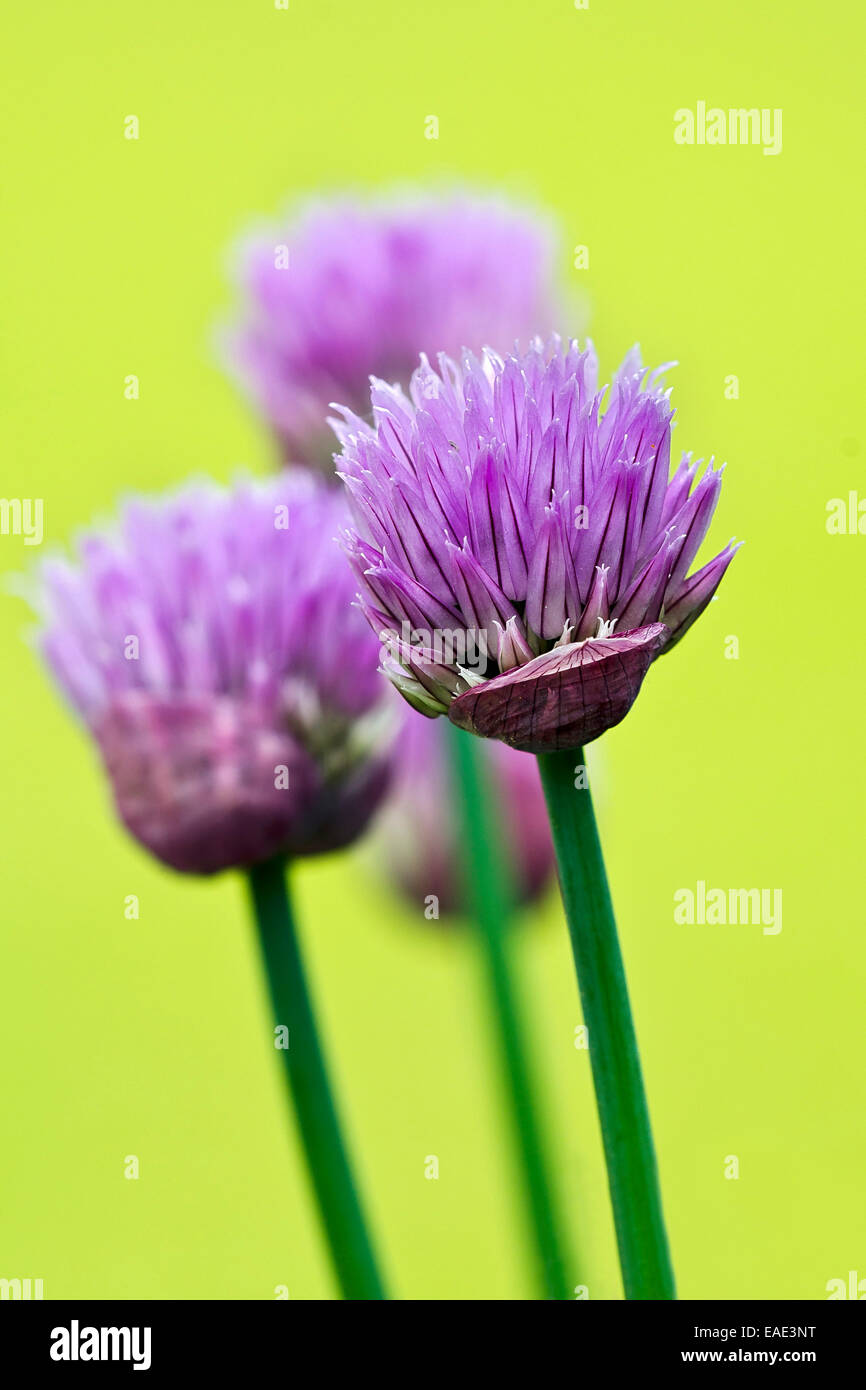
point(354, 287)
point(418, 838)
point(212, 648)
point(523, 550)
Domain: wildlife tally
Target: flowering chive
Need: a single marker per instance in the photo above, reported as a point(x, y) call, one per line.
point(211, 647)
point(508, 509)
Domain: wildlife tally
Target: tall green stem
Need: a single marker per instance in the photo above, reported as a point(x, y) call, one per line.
point(307, 1076)
point(488, 883)
point(622, 1107)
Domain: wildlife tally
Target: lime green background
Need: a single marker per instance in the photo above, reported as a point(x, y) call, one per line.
point(153, 1037)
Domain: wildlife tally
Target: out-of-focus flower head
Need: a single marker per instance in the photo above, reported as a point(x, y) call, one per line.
point(354, 287)
point(523, 550)
point(211, 646)
point(419, 841)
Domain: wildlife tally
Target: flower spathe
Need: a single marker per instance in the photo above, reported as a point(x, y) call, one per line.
point(523, 550)
point(212, 648)
point(350, 286)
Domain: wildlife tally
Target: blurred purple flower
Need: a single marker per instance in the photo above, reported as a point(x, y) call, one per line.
point(419, 840)
point(353, 287)
point(212, 648)
point(505, 525)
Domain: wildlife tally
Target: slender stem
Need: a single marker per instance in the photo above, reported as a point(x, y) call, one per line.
point(325, 1151)
point(619, 1090)
point(489, 887)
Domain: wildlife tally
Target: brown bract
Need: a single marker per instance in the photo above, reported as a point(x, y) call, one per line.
point(566, 697)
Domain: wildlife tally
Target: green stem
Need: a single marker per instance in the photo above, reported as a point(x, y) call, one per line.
point(622, 1107)
point(325, 1152)
point(489, 888)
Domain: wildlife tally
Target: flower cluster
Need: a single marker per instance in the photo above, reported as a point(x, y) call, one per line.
point(212, 647)
point(353, 287)
point(507, 509)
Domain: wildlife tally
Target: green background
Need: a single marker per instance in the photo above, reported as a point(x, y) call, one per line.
point(153, 1037)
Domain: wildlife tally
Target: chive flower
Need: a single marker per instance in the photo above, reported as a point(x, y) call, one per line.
point(523, 551)
point(350, 286)
point(419, 840)
point(211, 647)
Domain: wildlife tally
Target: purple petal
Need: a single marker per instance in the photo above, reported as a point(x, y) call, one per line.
point(500, 528)
point(509, 399)
point(408, 601)
point(548, 474)
point(513, 649)
point(601, 542)
point(690, 600)
point(483, 605)
point(692, 522)
point(596, 607)
point(425, 558)
point(551, 588)
point(642, 602)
